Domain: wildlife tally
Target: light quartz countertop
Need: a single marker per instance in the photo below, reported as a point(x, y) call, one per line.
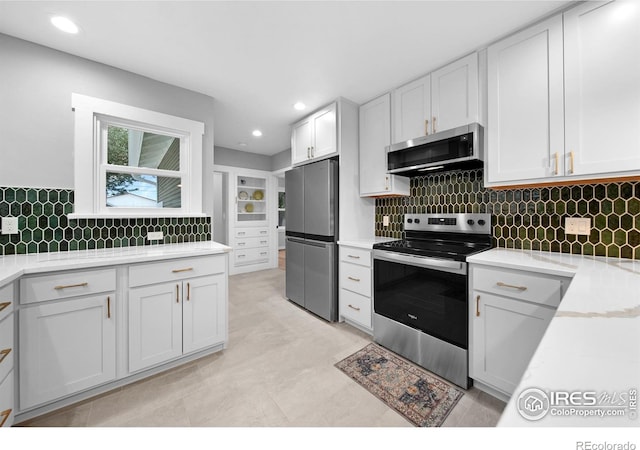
point(14, 266)
point(592, 343)
point(366, 243)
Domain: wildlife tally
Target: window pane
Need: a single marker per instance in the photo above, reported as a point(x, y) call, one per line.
point(143, 191)
point(134, 148)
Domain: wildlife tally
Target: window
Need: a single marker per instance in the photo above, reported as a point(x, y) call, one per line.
point(134, 162)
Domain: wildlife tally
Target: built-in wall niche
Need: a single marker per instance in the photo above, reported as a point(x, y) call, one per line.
point(251, 199)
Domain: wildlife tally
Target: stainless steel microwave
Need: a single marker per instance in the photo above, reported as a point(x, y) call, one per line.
point(460, 147)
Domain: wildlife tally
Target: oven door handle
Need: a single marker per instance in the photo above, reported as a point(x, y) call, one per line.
point(420, 261)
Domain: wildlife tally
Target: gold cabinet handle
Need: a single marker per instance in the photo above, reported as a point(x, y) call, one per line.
point(177, 293)
point(477, 306)
point(570, 162)
point(386, 183)
point(354, 307)
point(4, 353)
point(108, 307)
point(4, 305)
point(354, 279)
point(4, 415)
point(186, 269)
point(66, 286)
point(555, 172)
point(520, 288)
point(433, 124)
point(188, 291)
point(354, 256)
point(426, 127)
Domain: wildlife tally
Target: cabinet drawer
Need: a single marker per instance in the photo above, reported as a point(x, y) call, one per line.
point(7, 408)
point(252, 242)
point(527, 286)
point(353, 255)
point(66, 285)
point(250, 256)
point(175, 269)
point(6, 347)
point(6, 301)
point(355, 278)
point(355, 307)
point(251, 232)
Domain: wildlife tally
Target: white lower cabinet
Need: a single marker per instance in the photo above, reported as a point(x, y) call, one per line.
point(7, 355)
point(66, 347)
point(509, 313)
point(355, 295)
point(171, 319)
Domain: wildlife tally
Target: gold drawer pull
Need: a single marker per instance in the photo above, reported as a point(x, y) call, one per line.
point(4, 305)
point(520, 288)
point(65, 286)
point(186, 269)
point(4, 353)
point(353, 256)
point(4, 415)
point(555, 172)
point(354, 307)
point(477, 306)
point(354, 279)
point(570, 162)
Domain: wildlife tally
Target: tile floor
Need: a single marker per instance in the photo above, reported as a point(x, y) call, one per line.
point(277, 371)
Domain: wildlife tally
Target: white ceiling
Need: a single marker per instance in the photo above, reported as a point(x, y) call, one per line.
point(258, 58)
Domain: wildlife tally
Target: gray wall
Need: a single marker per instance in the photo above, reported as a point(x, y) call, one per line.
point(36, 121)
point(281, 160)
point(228, 157)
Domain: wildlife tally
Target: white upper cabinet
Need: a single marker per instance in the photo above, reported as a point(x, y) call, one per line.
point(445, 99)
point(602, 87)
point(454, 94)
point(525, 123)
point(412, 109)
point(564, 98)
point(315, 137)
point(375, 136)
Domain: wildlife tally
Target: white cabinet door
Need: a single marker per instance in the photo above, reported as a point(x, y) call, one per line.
point(525, 98)
point(412, 109)
point(375, 136)
point(204, 312)
point(325, 138)
point(155, 324)
point(454, 94)
point(505, 334)
point(66, 347)
point(301, 138)
point(602, 87)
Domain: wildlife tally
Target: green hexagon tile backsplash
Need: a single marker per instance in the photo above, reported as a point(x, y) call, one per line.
point(531, 218)
point(44, 227)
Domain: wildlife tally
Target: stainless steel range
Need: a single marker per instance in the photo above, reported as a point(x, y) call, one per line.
point(421, 290)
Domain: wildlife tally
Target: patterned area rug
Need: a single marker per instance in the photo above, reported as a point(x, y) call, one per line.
point(419, 396)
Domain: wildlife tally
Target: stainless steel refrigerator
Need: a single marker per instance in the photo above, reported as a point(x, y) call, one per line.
point(312, 257)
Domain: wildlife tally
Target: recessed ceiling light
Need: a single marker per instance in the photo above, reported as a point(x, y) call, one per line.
point(299, 106)
point(64, 24)
point(257, 133)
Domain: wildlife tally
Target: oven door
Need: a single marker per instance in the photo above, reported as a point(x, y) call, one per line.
point(426, 294)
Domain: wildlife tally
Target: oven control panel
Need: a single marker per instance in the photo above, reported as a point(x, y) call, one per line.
point(473, 223)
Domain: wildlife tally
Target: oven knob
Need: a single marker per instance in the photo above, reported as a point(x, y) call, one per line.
point(409, 220)
point(481, 222)
point(471, 222)
point(417, 221)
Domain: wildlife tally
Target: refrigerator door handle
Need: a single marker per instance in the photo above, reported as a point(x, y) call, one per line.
point(317, 244)
point(296, 240)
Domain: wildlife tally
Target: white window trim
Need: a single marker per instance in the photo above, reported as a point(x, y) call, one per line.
point(89, 182)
